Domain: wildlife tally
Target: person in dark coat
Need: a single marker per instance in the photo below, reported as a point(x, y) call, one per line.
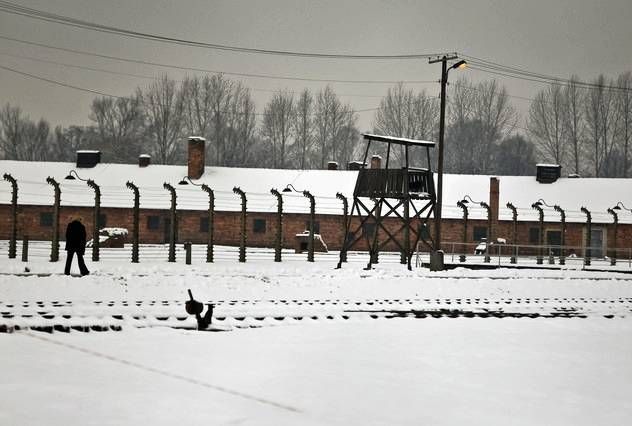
point(76, 243)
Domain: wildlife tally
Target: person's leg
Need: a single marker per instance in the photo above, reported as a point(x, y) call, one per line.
point(82, 265)
point(69, 254)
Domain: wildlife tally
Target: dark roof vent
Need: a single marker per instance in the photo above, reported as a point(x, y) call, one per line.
point(144, 160)
point(355, 165)
point(548, 173)
point(87, 159)
point(332, 165)
point(574, 176)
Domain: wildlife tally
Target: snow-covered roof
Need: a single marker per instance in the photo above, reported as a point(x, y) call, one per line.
point(571, 194)
point(399, 141)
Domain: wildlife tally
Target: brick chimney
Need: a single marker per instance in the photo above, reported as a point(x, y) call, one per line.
point(494, 196)
point(195, 161)
point(144, 160)
point(376, 162)
point(332, 165)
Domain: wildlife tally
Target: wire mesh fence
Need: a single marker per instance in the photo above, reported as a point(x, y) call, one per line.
point(523, 254)
point(40, 250)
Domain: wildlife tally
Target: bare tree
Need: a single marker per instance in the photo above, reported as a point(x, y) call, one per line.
point(461, 131)
point(119, 126)
point(546, 123)
point(480, 116)
point(12, 131)
point(574, 124)
point(497, 117)
point(278, 117)
point(303, 128)
point(67, 141)
point(404, 113)
point(515, 157)
point(163, 107)
point(600, 120)
point(35, 146)
point(330, 118)
point(198, 103)
point(221, 92)
point(240, 129)
point(624, 107)
point(21, 138)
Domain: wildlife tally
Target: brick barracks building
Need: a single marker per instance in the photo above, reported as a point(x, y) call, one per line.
point(36, 199)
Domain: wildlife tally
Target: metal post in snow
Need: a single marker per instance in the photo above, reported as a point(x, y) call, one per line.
point(54, 250)
point(278, 238)
point(97, 213)
point(345, 216)
point(173, 218)
point(135, 221)
point(242, 227)
point(312, 214)
point(210, 243)
point(14, 215)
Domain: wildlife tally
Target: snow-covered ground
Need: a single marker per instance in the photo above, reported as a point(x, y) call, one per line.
point(311, 344)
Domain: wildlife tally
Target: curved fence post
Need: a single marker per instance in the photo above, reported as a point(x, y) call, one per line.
point(278, 238)
point(14, 215)
point(514, 232)
point(613, 251)
point(211, 224)
point(54, 250)
point(345, 217)
point(135, 220)
point(563, 237)
point(465, 216)
point(538, 207)
point(588, 250)
point(490, 241)
point(97, 213)
point(173, 224)
point(312, 214)
point(242, 224)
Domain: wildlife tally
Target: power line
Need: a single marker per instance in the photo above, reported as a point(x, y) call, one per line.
point(36, 77)
point(210, 71)
point(70, 86)
point(16, 9)
point(518, 73)
point(146, 77)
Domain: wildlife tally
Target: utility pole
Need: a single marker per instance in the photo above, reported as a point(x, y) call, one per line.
point(437, 264)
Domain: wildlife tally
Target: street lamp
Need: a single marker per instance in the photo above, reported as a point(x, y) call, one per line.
point(444, 81)
point(73, 175)
point(289, 188)
point(538, 206)
point(468, 199)
point(186, 180)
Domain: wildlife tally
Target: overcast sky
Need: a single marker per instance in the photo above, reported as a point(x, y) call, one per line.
point(555, 37)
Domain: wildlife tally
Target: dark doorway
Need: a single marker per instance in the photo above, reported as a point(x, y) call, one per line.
point(596, 242)
point(553, 240)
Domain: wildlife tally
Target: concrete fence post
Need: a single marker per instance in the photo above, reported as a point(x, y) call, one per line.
point(14, 215)
point(135, 221)
point(173, 224)
point(211, 223)
point(242, 224)
point(278, 237)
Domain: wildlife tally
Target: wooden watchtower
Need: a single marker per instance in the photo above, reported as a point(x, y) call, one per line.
point(395, 193)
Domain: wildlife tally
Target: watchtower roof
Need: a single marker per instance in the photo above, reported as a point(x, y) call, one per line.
point(398, 141)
